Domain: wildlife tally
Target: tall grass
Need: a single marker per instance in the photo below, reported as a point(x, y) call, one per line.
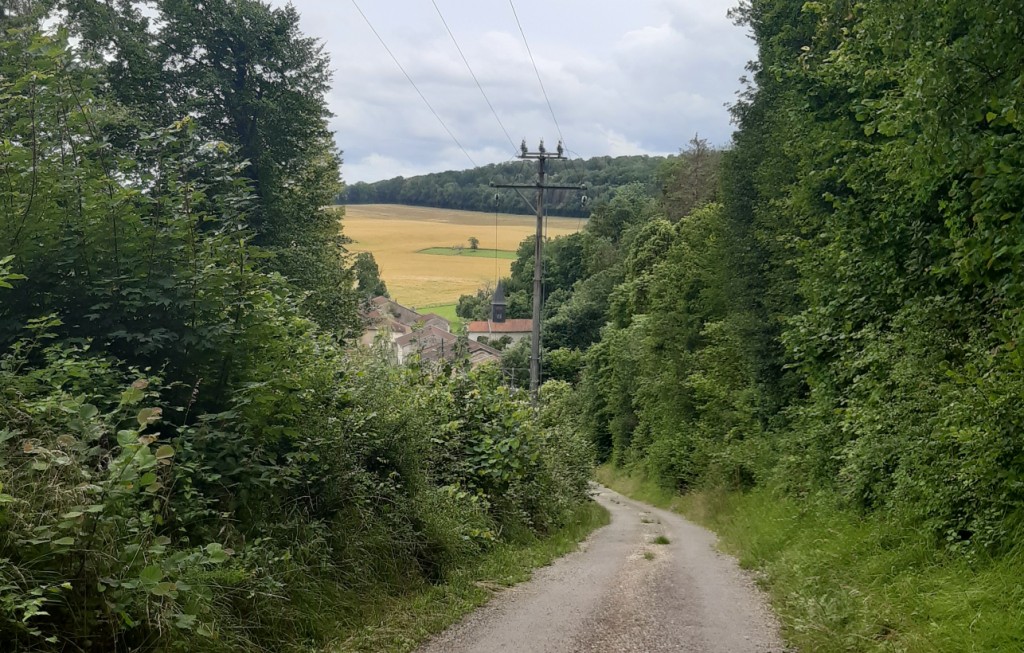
point(843, 582)
point(396, 622)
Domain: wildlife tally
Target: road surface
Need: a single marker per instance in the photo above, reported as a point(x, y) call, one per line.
point(624, 593)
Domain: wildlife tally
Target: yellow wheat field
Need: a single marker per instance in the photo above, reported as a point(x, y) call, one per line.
point(394, 233)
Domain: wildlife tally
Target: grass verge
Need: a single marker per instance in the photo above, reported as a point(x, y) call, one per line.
point(843, 582)
point(474, 253)
point(395, 624)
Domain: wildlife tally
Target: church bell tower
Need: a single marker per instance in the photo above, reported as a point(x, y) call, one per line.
point(498, 305)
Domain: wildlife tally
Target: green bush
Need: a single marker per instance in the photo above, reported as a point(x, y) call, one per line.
point(187, 459)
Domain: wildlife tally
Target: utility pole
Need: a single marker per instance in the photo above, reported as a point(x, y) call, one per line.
point(541, 156)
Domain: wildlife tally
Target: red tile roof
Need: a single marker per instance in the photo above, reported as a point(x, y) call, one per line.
point(518, 325)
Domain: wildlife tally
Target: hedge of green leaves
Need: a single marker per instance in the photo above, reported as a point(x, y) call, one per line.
point(188, 460)
point(848, 319)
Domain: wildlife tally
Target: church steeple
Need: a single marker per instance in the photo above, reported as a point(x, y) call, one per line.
point(498, 304)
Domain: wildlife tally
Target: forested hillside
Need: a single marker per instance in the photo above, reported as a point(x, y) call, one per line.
point(191, 455)
point(841, 324)
point(470, 189)
point(848, 316)
point(820, 324)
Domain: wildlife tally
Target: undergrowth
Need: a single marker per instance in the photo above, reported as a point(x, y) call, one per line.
point(843, 582)
point(397, 622)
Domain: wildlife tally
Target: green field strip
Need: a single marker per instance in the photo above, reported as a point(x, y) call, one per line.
point(477, 253)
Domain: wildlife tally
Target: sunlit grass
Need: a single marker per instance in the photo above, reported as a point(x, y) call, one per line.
point(844, 582)
point(477, 253)
point(447, 311)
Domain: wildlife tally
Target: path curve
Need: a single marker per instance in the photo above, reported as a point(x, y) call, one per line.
point(622, 593)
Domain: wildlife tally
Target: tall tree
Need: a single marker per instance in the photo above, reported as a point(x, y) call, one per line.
point(368, 281)
point(690, 179)
point(250, 79)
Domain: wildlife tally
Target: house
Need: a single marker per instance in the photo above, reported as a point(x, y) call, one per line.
point(498, 326)
point(388, 317)
point(376, 323)
point(478, 353)
point(428, 337)
point(409, 333)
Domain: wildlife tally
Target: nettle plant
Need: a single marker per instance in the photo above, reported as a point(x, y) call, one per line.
point(86, 481)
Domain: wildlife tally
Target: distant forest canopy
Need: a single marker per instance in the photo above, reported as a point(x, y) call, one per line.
point(470, 190)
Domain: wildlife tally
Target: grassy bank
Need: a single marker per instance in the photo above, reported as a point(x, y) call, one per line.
point(842, 582)
point(391, 623)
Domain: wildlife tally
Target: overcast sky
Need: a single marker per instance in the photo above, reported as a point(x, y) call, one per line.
point(637, 77)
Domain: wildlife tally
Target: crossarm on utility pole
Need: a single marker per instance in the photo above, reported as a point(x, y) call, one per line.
point(542, 157)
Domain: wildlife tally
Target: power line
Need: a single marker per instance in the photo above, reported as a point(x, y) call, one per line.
point(422, 97)
point(472, 74)
point(543, 90)
point(541, 156)
point(536, 70)
point(573, 156)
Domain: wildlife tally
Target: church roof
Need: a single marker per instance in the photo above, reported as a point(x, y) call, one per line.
point(517, 325)
point(499, 294)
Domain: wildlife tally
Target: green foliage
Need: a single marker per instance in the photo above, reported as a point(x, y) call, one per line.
point(190, 457)
point(845, 321)
point(563, 365)
point(515, 363)
point(247, 77)
point(690, 180)
point(153, 263)
point(89, 504)
point(367, 274)
point(286, 484)
point(476, 306)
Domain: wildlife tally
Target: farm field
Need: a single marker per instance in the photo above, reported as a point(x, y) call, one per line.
point(395, 234)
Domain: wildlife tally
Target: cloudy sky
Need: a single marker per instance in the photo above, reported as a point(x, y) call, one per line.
point(623, 78)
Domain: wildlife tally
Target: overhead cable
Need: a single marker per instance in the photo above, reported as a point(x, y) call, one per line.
point(473, 75)
point(540, 81)
point(417, 88)
point(536, 70)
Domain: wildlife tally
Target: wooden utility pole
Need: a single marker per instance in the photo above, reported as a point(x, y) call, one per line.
point(541, 156)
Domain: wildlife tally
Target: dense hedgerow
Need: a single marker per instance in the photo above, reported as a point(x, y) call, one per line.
point(130, 523)
point(846, 322)
point(188, 461)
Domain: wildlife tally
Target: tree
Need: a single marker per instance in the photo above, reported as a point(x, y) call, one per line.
point(690, 179)
point(476, 306)
point(245, 73)
point(369, 283)
point(169, 415)
point(469, 190)
point(474, 242)
point(150, 259)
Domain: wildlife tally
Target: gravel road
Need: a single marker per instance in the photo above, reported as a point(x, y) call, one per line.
point(622, 593)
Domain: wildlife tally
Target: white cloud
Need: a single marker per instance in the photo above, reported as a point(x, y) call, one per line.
point(648, 37)
point(641, 78)
point(618, 145)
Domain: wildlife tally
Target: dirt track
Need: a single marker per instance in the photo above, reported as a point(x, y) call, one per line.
point(610, 597)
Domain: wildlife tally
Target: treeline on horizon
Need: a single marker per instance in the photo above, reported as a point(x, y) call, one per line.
point(193, 454)
point(470, 190)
